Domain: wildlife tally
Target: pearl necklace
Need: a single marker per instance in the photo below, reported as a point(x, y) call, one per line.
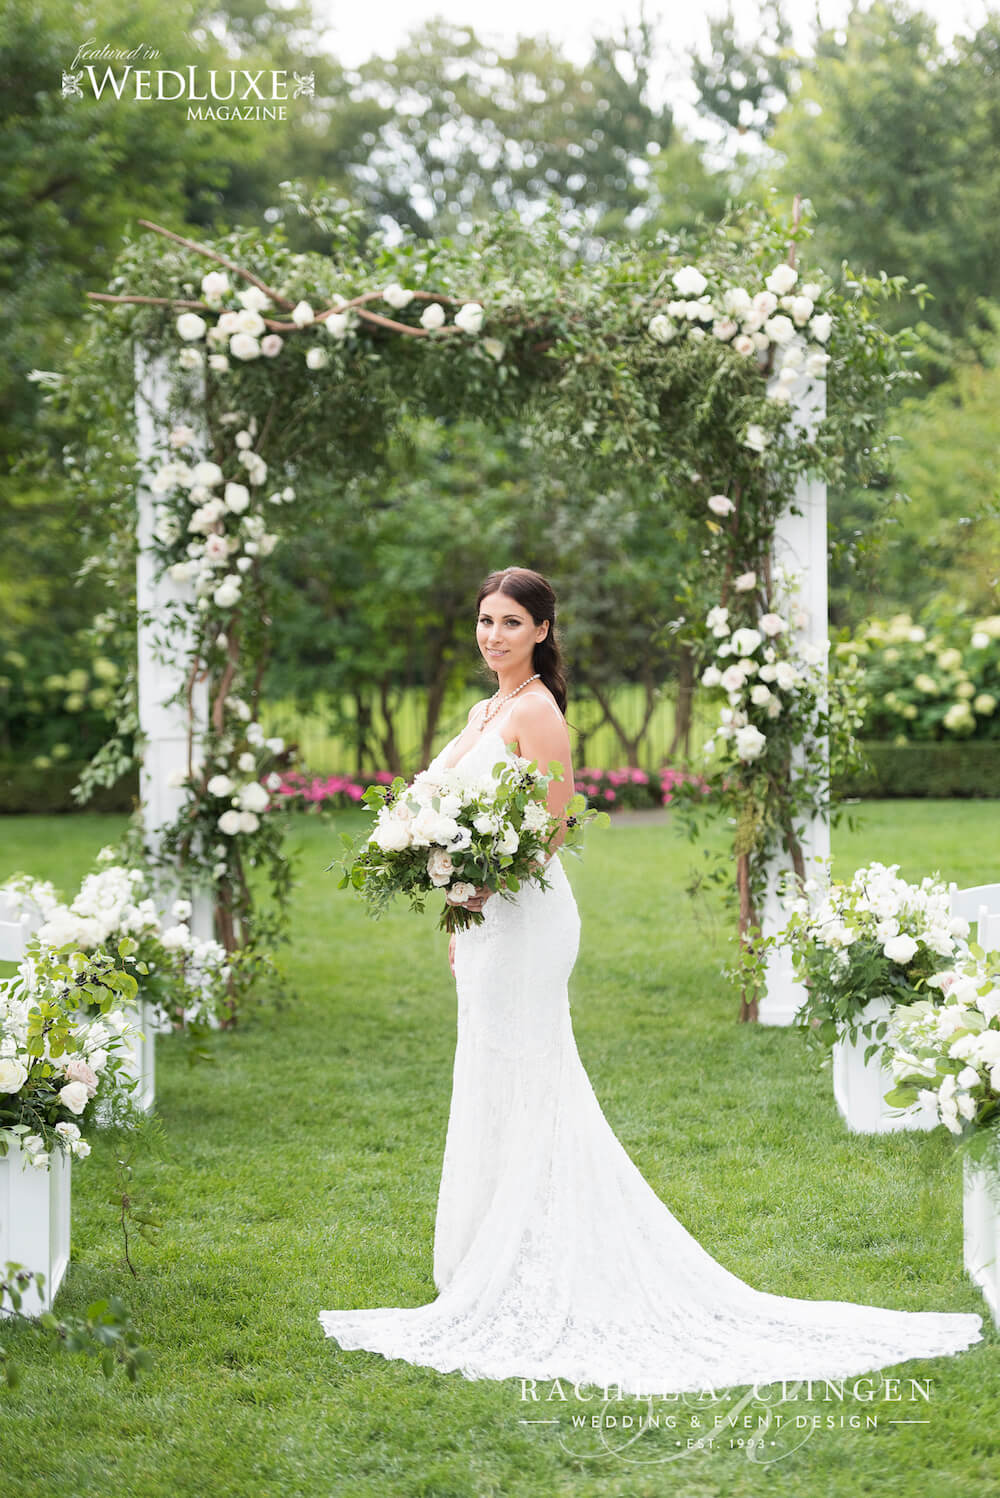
point(488, 715)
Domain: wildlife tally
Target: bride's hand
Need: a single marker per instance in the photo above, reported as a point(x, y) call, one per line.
point(478, 900)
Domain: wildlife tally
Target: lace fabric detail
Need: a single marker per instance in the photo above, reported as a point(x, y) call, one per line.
point(553, 1257)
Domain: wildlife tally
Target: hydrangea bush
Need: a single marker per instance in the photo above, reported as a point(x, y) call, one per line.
point(926, 681)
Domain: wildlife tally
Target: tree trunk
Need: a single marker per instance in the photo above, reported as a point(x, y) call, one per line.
point(681, 741)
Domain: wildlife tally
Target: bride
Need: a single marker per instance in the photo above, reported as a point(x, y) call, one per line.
point(553, 1257)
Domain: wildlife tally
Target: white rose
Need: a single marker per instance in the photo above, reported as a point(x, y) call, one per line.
point(74, 1096)
point(440, 866)
point(13, 1075)
point(317, 358)
point(67, 1130)
point(177, 938)
point(227, 594)
point(254, 797)
point(736, 301)
point(711, 676)
point(395, 295)
point(745, 641)
point(786, 675)
point(220, 785)
point(723, 328)
point(744, 344)
point(244, 346)
point(206, 473)
point(508, 842)
point(780, 330)
point(273, 781)
point(689, 281)
point(901, 949)
point(433, 315)
point(190, 358)
point(756, 438)
point(247, 762)
point(494, 348)
point(760, 695)
point(746, 582)
point(772, 624)
point(271, 345)
point(338, 325)
point(720, 504)
point(249, 821)
point(181, 910)
point(732, 679)
point(469, 317)
point(661, 328)
point(218, 362)
point(190, 326)
point(801, 309)
point(253, 299)
point(763, 304)
point(302, 314)
point(80, 1148)
point(820, 326)
point(392, 835)
point(750, 742)
point(230, 823)
point(214, 285)
point(460, 892)
point(782, 279)
point(237, 498)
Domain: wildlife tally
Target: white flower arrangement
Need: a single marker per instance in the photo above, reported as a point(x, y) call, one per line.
point(877, 936)
point(56, 1055)
point(947, 1051)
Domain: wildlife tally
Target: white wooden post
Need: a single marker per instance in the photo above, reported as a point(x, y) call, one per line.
point(800, 542)
point(163, 654)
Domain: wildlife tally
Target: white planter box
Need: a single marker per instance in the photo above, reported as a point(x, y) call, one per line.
point(859, 1089)
point(34, 1221)
point(981, 1235)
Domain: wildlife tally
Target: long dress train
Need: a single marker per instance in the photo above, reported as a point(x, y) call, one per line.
point(553, 1257)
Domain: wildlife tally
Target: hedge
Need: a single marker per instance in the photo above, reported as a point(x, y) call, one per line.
point(969, 767)
point(24, 788)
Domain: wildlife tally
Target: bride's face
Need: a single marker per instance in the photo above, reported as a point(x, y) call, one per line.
point(507, 634)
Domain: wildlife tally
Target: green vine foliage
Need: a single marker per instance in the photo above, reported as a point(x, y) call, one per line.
point(597, 359)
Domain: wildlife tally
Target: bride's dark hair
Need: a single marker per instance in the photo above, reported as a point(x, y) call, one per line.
point(534, 593)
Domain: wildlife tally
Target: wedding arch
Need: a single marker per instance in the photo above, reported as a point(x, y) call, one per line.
point(259, 377)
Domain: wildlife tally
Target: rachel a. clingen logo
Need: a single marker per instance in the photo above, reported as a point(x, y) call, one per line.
point(209, 93)
point(765, 1423)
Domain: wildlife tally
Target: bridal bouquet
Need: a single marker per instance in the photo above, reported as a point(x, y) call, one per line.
point(453, 830)
point(877, 936)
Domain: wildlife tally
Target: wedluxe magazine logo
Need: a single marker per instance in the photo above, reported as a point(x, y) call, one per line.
point(208, 93)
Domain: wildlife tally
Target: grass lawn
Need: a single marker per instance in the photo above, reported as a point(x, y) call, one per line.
point(300, 1172)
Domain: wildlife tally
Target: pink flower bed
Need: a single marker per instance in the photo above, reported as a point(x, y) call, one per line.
point(613, 790)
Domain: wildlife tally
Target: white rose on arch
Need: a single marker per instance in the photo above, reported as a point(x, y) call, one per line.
point(237, 497)
point(689, 281)
point(317, 358)
point(397, 297)
point(244, 346)
point(821, 326)
point(302, 314)
point(745, 641)
point(782, 279)
point(254, 797)
point(757, 438)
point(720, 504)
point(469, 317)
point(253, 299)
point(249, 321)
point(433, 316)
point(750, 742)
point(214, 285)
point(191, 327)
point(661, 328)
point(772, 624)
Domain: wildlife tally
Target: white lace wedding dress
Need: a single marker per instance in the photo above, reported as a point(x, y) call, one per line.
point(553, 1257)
